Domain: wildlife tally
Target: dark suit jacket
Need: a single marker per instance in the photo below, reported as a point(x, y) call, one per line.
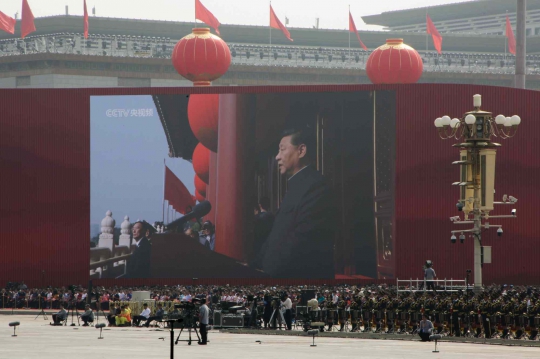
point(301, 243)
point(264, 222)
point(138, 265)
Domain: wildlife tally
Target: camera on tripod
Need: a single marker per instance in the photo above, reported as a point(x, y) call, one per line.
point(185, 306)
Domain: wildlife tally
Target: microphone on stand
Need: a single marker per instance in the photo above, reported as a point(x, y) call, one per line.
point(200, 210)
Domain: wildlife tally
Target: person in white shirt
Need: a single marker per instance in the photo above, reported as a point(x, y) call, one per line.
point(145, 314)
point(335, 298)
point(204, 314)
point(287, 306)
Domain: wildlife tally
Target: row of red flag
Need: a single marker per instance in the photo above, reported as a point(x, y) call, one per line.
point(7, 24)
point(437, 38)
point(203, 14)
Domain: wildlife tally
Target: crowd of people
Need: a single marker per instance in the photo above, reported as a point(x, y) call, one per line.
point(499, 311)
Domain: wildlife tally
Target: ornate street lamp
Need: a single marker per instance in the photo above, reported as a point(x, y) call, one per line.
point(477, 163)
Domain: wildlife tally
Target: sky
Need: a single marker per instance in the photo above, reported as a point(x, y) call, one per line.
point(333, 14)
point(126, 160)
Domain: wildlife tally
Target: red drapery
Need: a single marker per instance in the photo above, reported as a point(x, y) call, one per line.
point(176, 192)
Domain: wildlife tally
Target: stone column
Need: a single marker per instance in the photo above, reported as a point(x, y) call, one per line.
point(521, 48)
point(236, 137)
point(125, 233)
point(211, 189)
point(107, 231)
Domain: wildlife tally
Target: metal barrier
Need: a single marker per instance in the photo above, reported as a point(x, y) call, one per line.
point(416, 285)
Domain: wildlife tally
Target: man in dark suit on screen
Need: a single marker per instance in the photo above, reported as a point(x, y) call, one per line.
point(138, 264)
point(301, 243)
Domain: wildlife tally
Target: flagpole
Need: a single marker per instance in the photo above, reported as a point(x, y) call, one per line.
point(505, 38)
point(163, 204)
point(426, 31)
point(270, 29)
point(349, 33)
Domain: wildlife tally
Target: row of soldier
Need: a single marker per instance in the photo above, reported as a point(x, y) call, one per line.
point(491, 314)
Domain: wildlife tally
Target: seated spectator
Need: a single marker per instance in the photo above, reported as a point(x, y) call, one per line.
point(87, 316)
point(426, 328)
point(124, 318)
point(113, 312)
point(158, 316)
point(60, 316)
point(145, 314)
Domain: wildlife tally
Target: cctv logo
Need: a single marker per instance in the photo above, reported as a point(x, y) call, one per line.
point(141, 112)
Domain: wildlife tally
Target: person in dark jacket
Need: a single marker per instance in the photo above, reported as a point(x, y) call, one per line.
point(157, 317)
point(301, 243)
point(87, 316)
point(138, 265)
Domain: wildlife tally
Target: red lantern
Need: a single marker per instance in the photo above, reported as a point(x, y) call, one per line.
point(201, 162)
point(199, 196)
point(201, 57)
point(200, 186)
point(394, 63)
point(203, 113)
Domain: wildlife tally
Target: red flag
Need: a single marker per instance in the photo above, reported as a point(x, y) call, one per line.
point(85, 21)
point(276, 24)
point(432, 30)
point(7, 23)
point(352, 28)
point(176, 193)
point(510, 36)
point(27, 20)
point(202, 13)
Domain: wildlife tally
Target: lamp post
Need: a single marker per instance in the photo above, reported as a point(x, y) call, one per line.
point(477, 163)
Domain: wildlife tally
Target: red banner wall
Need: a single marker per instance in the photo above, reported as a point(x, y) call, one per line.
point(45, 184)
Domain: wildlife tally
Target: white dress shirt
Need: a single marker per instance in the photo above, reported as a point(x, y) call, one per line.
point(145, 313)
point(287, 304)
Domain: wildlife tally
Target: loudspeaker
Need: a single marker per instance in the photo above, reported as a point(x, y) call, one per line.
point(232, 321)
point(306, 295)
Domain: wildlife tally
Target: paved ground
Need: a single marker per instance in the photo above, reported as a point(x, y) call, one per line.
point(36, 338)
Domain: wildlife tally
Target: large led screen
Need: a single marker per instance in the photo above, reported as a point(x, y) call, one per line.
point(291, 185)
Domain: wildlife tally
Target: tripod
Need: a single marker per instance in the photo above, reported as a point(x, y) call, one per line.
point(73, 306)
point(190, 326)
point(98, 309)
point(42, 312)
point(281, 319)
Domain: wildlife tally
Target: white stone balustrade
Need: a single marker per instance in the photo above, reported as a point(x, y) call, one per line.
point(103, 263)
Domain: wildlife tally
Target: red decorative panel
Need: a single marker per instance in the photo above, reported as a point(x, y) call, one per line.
point(425, 198)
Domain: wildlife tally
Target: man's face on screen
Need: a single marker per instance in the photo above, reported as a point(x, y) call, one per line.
point(137, 231)
point(288, 157)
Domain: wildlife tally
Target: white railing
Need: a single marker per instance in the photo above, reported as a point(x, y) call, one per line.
point(107, 259)
point(258, 54)
point(420, 285)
